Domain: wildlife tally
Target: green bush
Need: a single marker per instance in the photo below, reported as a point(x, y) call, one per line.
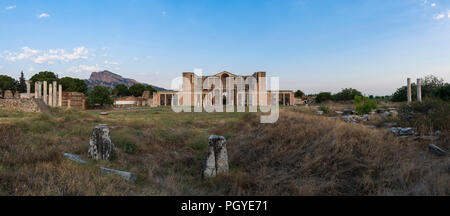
point(443, 92)
point(427, 116)
point(324, 109)
point(364, 105)
point(323, 96)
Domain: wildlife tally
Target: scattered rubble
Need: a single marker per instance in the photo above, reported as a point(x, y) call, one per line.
point(429, 138)
point(398, 131)
point(319, 112)
point(436, 150)
point(390, 124)
point(348, 112)
point(130, 177)
point(74, 158)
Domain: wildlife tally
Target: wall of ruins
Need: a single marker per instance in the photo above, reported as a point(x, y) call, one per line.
point(74, 100)
point(21, 105)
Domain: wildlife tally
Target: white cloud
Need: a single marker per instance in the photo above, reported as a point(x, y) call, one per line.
point(31, 69)
point(43, 15)
point(84, 68)
point(439, 16)
point(49, 57)
point(10, 7)
point(164, 13)
point(106, 62)
point(448, 14)
point(433, 4)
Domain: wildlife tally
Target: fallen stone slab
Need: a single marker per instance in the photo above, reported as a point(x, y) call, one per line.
point(403, 131)
point(74, 158)
point(348, 112)
point(429, 138)
point(390, 124)
point(339, 112)
point(130, 177)
point(435, 149)
point(319, 112)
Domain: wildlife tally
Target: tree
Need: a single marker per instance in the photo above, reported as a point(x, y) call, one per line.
point(99, 96)
point(323, 96)
point(121, 90)
point(43, 76)
point(137, 90)
point(346, 94)
point(401, 94)
point(73, 85)
point(8, 83)
point(22, 86)
point(150, 89)
point(429, 84)
point(443, 92)
point(299, 94)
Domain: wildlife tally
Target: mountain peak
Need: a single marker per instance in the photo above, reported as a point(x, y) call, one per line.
point(110, 79)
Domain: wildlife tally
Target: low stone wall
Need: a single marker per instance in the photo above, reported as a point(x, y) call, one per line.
point(21, 105)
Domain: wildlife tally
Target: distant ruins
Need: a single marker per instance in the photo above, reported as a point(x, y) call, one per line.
point(419, 90)
point(45, 95)
point(242, 98)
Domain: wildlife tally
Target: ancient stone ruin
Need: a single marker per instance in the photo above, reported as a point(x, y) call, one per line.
point(216, 161)
point(100, 145)
point(419, 90)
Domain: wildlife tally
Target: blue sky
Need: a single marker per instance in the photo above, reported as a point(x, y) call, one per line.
point(313, 45)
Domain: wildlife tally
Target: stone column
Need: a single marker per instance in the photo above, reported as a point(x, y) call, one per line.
point(54, 93)
point(50, 95)
point(60, 95)
point(35, 90)
point(45, 92)
point(40, 89)
point(419, 90)
point(409, 91)
point(28, 89)
point(216, 162)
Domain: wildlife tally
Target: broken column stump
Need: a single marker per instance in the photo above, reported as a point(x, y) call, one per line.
point(100, 145)
point(216, 161)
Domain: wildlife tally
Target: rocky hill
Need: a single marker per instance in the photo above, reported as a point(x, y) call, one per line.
point(110, 79)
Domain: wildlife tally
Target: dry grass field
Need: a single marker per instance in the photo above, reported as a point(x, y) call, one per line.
point(301, 154)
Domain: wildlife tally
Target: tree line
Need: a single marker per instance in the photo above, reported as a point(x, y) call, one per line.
point(98, 95)
point(432, 87)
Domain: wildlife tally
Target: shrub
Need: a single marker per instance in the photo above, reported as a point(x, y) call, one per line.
point(364, 105)
point(324, 109)
point(323, 96)
point(443, 92)
point(427, 116)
